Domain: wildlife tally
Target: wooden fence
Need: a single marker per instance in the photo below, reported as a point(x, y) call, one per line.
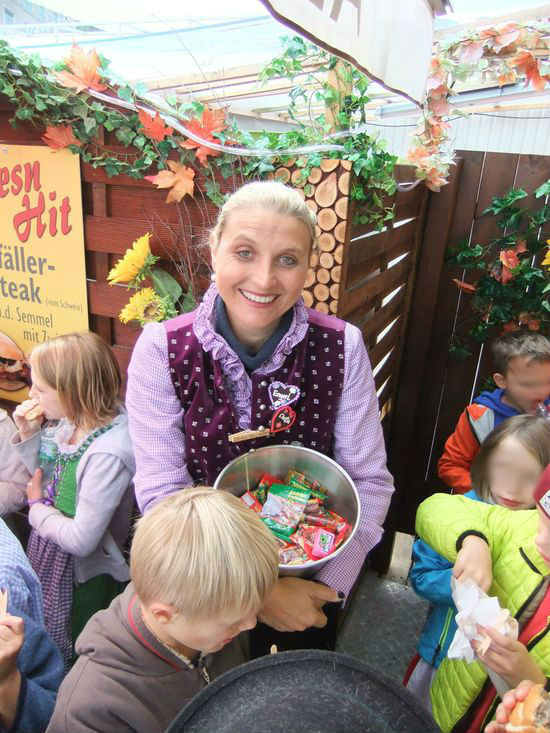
point(434, 386)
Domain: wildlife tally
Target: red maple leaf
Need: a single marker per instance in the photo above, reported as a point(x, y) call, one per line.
point(465, 287)
point(83, 72)
point(153, 127)
point(529, 65)
point(529, 320)
point(210, 122)
point(501, 36)
point(470, 52)
point(179, 179)
point(509, 258)
point(60, 136)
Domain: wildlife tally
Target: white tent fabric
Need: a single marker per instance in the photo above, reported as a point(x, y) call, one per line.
point(390, 40)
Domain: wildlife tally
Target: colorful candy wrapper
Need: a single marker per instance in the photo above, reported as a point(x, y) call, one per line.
point(323, 543)
point(300, 479)
point(260, 492)
point(342, 534)
point(251, 501)
point(324, 521)
point(313, 506)
point(292, 554)
point(283, 509)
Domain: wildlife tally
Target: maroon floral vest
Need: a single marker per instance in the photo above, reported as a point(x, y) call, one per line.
point(315, 366)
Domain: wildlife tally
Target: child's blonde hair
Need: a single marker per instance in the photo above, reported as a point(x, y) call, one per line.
point(271, 195)
point(532, 432)
point(82, 368)
point(205, 553)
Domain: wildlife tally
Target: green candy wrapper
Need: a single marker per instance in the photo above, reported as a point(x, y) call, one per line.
point(283, 509)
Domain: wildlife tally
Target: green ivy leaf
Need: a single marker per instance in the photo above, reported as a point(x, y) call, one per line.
point(543, 190)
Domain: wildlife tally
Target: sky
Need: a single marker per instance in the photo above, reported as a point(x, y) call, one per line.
point(166, 39)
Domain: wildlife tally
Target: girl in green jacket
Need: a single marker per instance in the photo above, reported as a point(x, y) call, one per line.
point(509, 554)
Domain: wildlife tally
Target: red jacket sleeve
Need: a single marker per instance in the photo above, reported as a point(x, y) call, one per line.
point(460, 450)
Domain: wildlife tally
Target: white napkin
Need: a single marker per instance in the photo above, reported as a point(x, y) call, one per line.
point(476, 608)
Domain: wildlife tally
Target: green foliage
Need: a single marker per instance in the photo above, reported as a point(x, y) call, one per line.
point(39, 99)
point(512, 289)
point(307, 66)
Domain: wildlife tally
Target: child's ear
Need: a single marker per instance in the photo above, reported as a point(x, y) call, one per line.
point(500, 380)
point(162, 612)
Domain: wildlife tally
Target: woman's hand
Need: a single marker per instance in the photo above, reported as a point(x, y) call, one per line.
point(508, 703)
point(26, 428)
point(509, 658)
point(34, 486)
point(474, 561)
point(295, 605)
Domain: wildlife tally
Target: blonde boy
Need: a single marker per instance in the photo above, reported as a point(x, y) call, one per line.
point(202, 565)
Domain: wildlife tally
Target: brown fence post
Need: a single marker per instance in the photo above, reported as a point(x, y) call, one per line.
point(417, 340)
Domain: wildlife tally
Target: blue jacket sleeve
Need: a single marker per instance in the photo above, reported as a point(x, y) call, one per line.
point(41, 667)
point(431, 574)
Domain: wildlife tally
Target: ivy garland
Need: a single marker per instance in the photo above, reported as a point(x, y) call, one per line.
point(57, 100)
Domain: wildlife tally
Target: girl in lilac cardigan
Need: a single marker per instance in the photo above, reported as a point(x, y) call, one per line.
point(222, 369)
point(81, 518)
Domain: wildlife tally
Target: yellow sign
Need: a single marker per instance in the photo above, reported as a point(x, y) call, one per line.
point(42, 265)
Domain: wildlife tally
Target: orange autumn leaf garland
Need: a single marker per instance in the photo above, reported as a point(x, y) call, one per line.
point(505, 53)
point(60, 136)
point(211, 121)
point(153, 127)
point(179, 179)
point(83, 72)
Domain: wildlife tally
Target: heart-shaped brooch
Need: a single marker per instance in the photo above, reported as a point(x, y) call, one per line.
point(282, 394)
point(283, 419)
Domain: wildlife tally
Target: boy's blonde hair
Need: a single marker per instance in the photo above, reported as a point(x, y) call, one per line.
point(271, 195)
point(526, 345)
point(205, 553)
point(532, 432)
point(82, 368)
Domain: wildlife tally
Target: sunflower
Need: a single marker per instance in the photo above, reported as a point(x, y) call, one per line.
point(146, 306)
point(135, 265)
point(546, 260)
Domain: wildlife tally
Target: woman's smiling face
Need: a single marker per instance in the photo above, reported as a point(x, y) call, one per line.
point(260, 263)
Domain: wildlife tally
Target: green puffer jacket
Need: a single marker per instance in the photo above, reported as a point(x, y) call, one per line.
point(518, 575)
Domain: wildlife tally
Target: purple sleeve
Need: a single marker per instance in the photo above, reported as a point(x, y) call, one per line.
point(359, 449)
point(155, 421)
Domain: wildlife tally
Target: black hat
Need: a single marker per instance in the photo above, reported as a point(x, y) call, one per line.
point(309, 691)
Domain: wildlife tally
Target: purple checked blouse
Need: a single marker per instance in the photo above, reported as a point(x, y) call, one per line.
point(156, 418)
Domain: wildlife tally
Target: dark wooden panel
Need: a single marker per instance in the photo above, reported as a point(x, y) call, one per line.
point(382, 317)
point(384, 283)
point(387, 342)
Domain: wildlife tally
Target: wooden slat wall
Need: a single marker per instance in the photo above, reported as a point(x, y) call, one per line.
point(378, 275)
point(435, 386)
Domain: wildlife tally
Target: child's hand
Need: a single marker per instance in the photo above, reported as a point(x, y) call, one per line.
point(25, 427)
point(12, 635)
point(509, 658)
point(474, 561)
point(34, 486)
point(507, 705)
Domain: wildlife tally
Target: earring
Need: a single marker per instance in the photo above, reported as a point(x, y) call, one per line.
point(213, 277)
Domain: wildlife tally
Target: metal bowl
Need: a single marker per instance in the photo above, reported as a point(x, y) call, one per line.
point(246, 471)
